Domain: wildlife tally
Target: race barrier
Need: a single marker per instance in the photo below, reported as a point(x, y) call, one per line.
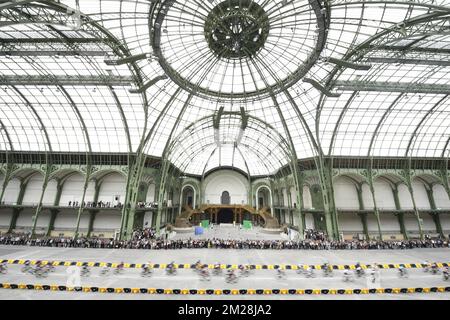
point(161, 291)
point(222, 266)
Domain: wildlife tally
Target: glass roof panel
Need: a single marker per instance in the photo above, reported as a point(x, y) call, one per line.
point(270, 62)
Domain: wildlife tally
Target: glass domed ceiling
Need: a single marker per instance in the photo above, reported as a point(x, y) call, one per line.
point(237, 48)
point(341, 78)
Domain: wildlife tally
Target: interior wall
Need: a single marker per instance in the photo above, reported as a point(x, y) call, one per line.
point(372, 226)
point(420, 195)
point(84, 223)
point(350, 223)
point(293, 196)
point(285, 197)
point(428, 225)
point(389, 223)
point(307, 201)
point(345, 194)
point(445, 223)
point(367, 196)
point(5, 217)
point(404, 197)
point(25, 218)
point(309, 220)
point(33, 190)
point(384, 197)
point(112, 185)
point(226, 180)
point(12, 191)
point(150, 193)
point(72, 190)
point(411, 223)
point(43, 219)
point(441, 197)
point(66, 220)
point(107, 220)
point(50, 193)
point(148, 218)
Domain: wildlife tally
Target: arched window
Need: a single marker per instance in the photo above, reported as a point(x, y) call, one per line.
point(225, 199)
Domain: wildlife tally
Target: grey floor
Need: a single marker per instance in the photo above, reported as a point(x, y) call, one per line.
point(187, 279)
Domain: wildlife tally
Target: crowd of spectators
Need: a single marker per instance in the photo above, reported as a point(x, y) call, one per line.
point(145, 239)
point(145, 233)
point(93, 204)
point(153, 205)
point(311, 234)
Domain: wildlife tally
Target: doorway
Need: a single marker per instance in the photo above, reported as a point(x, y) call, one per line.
point(188, 197)
point(225, 216)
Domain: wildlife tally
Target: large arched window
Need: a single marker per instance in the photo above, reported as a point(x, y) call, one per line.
point(225, 199)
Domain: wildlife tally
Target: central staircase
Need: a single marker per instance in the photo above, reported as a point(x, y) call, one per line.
point(182, 221)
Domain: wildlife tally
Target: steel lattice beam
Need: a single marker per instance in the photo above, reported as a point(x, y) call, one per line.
point(50, 53)
point(30, 41)
point(391, 87)
point(400, 60)
point(105, 80)
point(13, 3)
point(412, 49)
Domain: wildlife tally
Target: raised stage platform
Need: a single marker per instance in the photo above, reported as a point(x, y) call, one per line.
point(223, 213)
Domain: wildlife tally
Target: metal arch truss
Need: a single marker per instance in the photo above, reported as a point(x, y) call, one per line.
point(378, 86)
point(201, 124)
point(49, 80)
point(160, 10)
point(439, 5)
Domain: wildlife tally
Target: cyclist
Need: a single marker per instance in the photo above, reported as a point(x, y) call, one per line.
point(105, 270)
point(197, 266)
point(402, 271)
point(217, 269)
point(427, 266)
point(434, 268)
point(146, 269)
point(27, 267)
point(348, 276)
point(327, 269)
point(170, 269)
point(85, 271)
point(204, 273)
point(309, 272)
point(119, 268)
point(359, 270)
point(3, 267)
point(445, 273)
point(281, 274)
point(231, 276)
